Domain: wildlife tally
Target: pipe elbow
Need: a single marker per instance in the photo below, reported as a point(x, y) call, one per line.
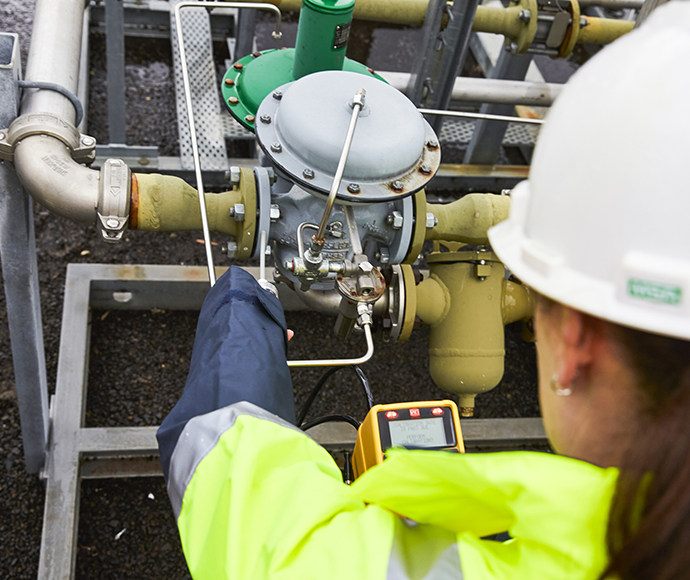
point(47, 171)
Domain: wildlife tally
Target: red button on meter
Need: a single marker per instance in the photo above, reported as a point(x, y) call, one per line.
point(437, 411)
point(414, 413)
point(391, 414)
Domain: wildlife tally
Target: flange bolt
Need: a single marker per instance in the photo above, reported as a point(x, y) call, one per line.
point(354, 188)
point(277, 95)
point(425, 169)
point(525, 16)
point(397, 185)
point(432, 145)
point(276, 147)
point(265, 118)
point(308, 173)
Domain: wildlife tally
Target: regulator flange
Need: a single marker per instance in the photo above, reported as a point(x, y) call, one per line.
point(302, 126)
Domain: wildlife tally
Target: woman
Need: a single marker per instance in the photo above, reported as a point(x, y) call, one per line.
point(256, 498)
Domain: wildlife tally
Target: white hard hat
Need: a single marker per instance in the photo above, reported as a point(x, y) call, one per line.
point(603, 223)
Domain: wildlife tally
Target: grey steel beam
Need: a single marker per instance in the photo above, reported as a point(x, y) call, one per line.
point(446, 39)
point(115, 62)
point(20, 278)
point(246, 27)
point(60, 518)
point(485, 145)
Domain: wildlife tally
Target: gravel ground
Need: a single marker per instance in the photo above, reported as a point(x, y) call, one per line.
point(139, 360)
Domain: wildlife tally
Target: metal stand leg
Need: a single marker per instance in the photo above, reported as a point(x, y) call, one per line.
point(20, 279)
point(246, 24)
point(115, 52)
point(488, 135)
point(442, 55)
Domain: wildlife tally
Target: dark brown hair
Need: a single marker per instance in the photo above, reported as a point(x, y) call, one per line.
point(648, 534)
point(649, 525)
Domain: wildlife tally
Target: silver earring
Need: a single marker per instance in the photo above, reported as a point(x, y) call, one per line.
point(557, 388)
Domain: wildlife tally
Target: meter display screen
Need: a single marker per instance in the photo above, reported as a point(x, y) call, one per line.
point(418, 433)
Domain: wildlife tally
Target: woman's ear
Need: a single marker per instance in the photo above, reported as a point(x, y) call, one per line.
point(578, 344)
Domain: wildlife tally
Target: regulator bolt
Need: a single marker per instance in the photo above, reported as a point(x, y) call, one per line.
point(525, 16)
point(277, 95)
point(276, 147)
point(425, 169)
point(308, 173)
point(233, 100)
point(250, 118)
point(275, 212)
point(335, 229)
point(230, 250)
point(395, 220)
point(88, 141)
point(237, 211)
point(383, 256)
point(112, 223)
point(238, 66)
point(354, 188)
point(431, 220)
point(432, 145)
point(265, 118)
point(397, 185)
point(233, 175)
point(229, 83)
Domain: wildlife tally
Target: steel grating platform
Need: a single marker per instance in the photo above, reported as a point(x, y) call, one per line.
point(196, 32)
point(460, 131)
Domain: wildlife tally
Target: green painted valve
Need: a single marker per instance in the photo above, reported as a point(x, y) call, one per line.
point(322, 34)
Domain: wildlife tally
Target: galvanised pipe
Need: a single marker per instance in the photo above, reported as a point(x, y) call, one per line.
point(54, 56)
point(48, 172)
point(44, 163)
point(496, 91)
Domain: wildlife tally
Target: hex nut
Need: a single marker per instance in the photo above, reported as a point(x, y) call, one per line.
point(238, 66)
point(395, 220)
point(525, 16)
point(275, 212)
point(250, 118)
point(233, 175)
point(431, 144)
point(383, 256)
point(276, 147)
point(431, 220)
point(425, 169)
point(397, 185)
point(354, 188)
point(231, 250)
point(233, 100)
point(308, 173)
point(229, 83)
point(277, 95)
point(237, 211)
point(265, 118)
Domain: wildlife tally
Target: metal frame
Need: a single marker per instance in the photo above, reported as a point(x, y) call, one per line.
point(77, 453)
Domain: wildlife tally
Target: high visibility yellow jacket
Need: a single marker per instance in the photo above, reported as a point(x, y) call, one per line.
point(256, 498)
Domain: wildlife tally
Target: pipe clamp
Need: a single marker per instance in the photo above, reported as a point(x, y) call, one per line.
point(82, 147)
point(113, 199)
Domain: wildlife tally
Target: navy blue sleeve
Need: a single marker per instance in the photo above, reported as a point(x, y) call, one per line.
point(240, 354)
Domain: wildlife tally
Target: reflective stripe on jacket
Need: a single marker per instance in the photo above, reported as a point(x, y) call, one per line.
point(256, 498)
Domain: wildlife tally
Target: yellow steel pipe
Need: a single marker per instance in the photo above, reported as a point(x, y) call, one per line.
point(469, 218)
point(164, 203)
point(490, 19)
point(603, 30)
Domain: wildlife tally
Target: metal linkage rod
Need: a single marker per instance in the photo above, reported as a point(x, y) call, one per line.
point(467, 115)
point(340, 362)
point(190, 107)
point(357, 105)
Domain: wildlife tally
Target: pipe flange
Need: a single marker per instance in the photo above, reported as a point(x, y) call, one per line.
point(113, 199)
point(82, 147)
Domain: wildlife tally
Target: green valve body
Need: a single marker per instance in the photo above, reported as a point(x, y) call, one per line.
point(322, 33)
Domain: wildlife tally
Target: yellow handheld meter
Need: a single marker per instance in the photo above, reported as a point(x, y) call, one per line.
point(418, 425)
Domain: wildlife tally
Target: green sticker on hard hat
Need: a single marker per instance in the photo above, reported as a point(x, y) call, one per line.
point(654, 291)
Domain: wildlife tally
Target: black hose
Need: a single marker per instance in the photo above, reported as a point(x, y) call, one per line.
point(329, 418)
point(58, 89)
point(322, 381)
